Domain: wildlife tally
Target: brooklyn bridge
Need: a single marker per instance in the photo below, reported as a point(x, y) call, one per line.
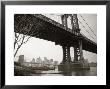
point(40, 26)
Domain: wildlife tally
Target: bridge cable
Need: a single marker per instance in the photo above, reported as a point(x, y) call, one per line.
point(88, 25)
point(86, 29)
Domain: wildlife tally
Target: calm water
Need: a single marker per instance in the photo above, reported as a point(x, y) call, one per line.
point(91, 72)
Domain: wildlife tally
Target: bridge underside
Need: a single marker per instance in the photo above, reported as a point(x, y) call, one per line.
point(43, 28)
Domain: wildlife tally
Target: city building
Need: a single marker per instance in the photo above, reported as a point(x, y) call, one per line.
point(33, 60)
point(21, 59)
point(45, 62)
point(33, 64)
point(51, 60)
point(39, 62)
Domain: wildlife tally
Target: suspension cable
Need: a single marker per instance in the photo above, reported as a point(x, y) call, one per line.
point(88, 25)
point(86, 29)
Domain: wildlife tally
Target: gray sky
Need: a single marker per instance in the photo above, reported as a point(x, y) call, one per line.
point(36, 47)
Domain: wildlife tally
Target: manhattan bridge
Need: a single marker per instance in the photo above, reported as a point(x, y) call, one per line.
point(43, 27)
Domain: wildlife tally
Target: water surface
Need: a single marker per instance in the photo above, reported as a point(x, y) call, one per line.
point(91, 72)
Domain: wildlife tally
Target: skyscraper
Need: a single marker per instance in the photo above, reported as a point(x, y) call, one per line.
point(21, 59)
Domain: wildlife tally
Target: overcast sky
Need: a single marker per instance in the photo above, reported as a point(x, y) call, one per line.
point(36, 47)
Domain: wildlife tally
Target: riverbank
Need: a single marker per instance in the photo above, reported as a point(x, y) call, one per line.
point(20, 70)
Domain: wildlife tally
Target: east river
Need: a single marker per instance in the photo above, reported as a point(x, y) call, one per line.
point(91, 72)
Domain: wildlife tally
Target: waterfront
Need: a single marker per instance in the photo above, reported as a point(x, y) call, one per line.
point(91, 72)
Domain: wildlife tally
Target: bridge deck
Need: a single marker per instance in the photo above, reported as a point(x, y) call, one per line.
point(39, 26)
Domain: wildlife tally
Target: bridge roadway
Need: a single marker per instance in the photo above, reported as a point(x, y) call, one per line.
point(40, 26)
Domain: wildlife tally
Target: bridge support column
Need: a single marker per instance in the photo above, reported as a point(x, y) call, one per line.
point(80, 50)
point(66, 54)
point(75, 53)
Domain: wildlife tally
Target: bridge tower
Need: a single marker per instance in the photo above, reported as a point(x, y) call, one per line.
point(78, 63)
point(78, 53)
point(65, 48)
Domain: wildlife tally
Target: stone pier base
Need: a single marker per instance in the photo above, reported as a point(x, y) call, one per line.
point(78, 65)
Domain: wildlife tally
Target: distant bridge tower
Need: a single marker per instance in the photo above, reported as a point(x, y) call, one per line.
point(78, 53)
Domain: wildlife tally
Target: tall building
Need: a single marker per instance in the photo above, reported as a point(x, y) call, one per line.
point(51, 60)
point(45, 59)
point(21, 59)
point(33, 63)
point(39, 62)
point(45, 62)
point(33, 60)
